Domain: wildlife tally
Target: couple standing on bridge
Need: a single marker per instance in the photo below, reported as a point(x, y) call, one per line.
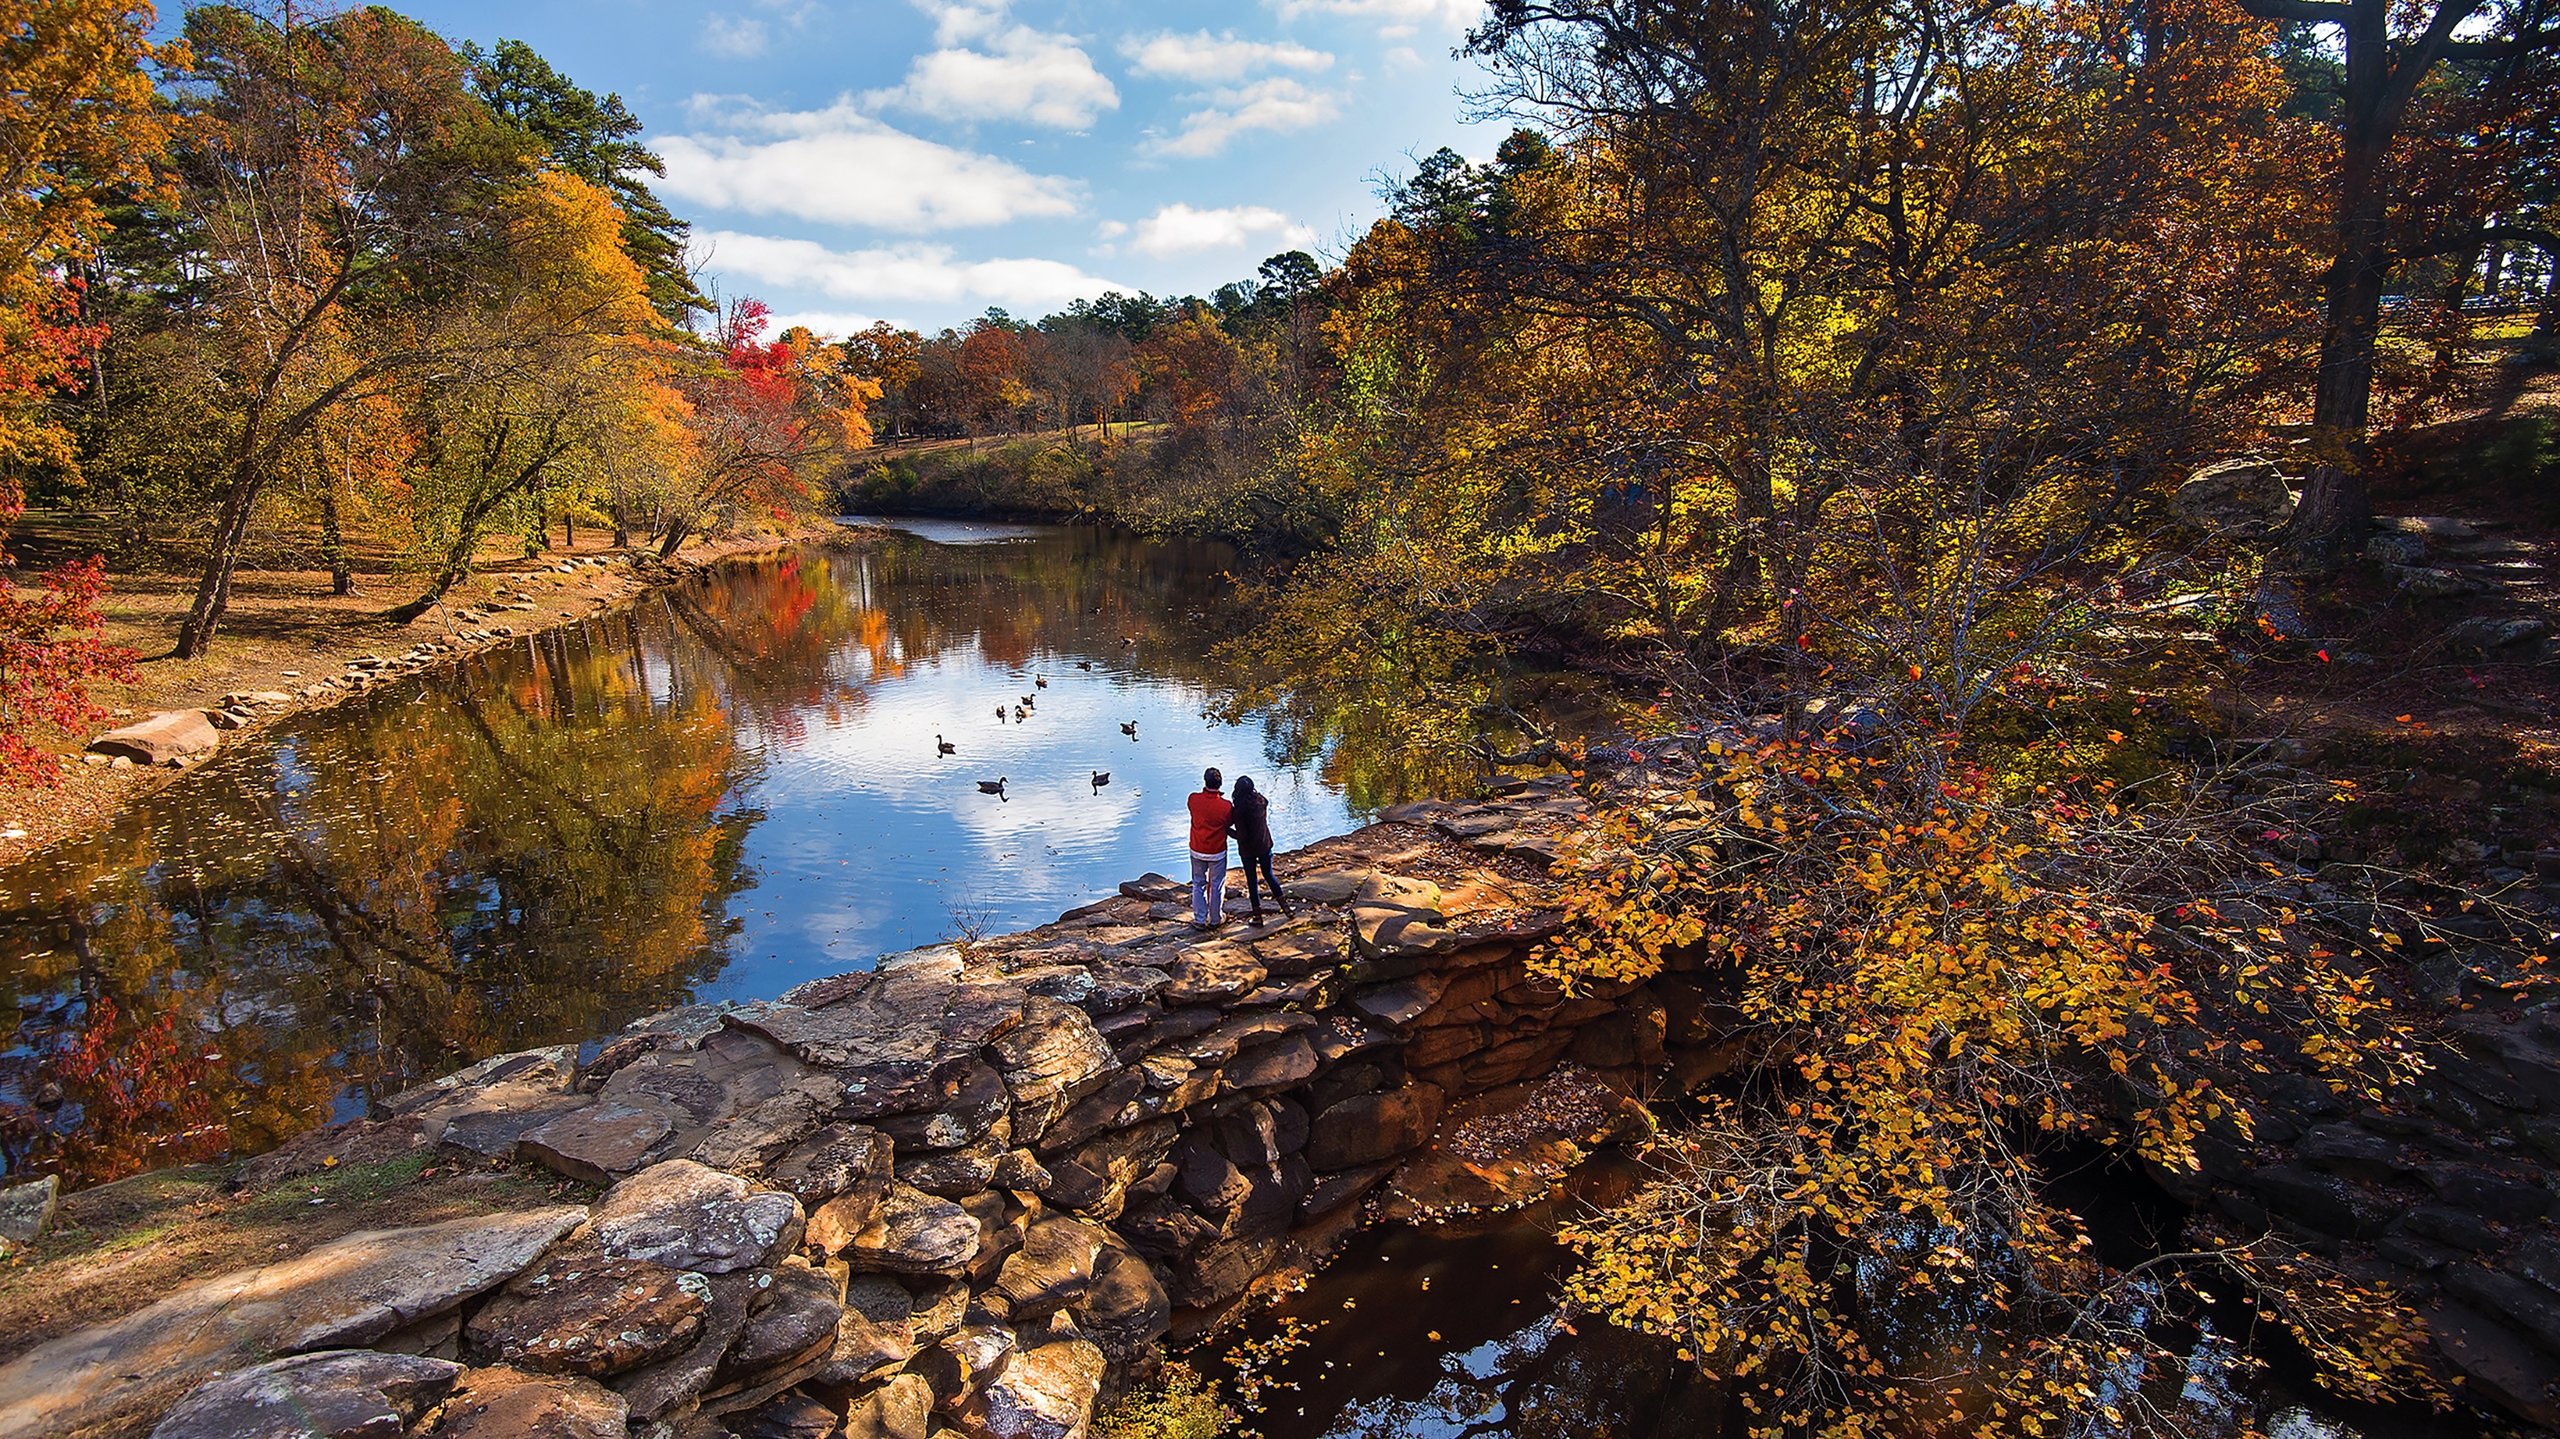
point(1214, 818)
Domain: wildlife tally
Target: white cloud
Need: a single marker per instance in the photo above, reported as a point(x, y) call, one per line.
point(913, 274)
point(1278, 103)
point(826, 324)
point(1015, 73)
point(1179, 229)
point(1443, 14)
point(841, 166)
point(734, 37)
point(1203, 58)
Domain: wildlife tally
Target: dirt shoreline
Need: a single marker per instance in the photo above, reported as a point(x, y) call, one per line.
point(305, 646)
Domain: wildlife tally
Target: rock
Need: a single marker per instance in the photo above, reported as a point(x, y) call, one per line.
point(491, 1119)
point(675, 1385)
point(2479, 1191)
point(1153, 888)
point(348, 1292)
point(961, 1106)
point(963, 1362)
point(27, 1210)
point(792, 1322)
point(601, 1142)
point(2323, 1201)
point(875, 1332)
point(1390, 931)
point(1051, 1270)
point(690, 1216)
point(746, 1143)
point(1212, 973)
point(914, 1233)
point(334, 1394)
point(1367, 1128)
point(902, 1408)
point(2456, 1227)
point(1291, 1060)
point(893, 1035)
point(2496, 1364)
point(956, 1173)
point(838, 1162)
point(2245, 496)
point(2425, 583)
point(509, 1404)
point(2482, 634)
point(1046, 1392)
point(167, 738)
point(794, 1415)
point(1123, 1310)
point(592, 1316)
point(1054, 1051)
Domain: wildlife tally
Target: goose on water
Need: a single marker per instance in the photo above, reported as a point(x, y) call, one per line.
point(1130, 729)
point(991, 786)
point(944, 745)
point(1020, 714)
point(1086, 665)
point(1101, 777)
point(1039, 682)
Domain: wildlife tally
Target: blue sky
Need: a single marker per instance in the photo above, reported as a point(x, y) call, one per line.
point(920, 160)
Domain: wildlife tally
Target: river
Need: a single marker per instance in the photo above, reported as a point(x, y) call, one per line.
point(728, 789)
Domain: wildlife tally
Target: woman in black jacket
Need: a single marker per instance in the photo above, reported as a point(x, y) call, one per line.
point(1251, 825)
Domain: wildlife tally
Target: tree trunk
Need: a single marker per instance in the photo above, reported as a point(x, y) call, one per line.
point(213, 589)
point(333, 543)
point(2328, 527)
point(678, 531)
point(569, 529)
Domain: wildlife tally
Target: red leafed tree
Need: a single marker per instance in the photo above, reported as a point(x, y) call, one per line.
point(49, 652)
point(764, 414)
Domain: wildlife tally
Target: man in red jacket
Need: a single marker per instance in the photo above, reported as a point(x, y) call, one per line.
point(1209, 814)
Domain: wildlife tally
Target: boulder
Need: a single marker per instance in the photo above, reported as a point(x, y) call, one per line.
point(334, 1394)
point(345, 1293)
point(914, 1233)
point(2239, 497)
point(790, 1322)
point(690, 1216)
point(793, 1415)
point(838, 1162)
point(963, 1362)
point(2483, 634)
point(1123, 1309)
point(173, 737)
point(1046, 1392)
point(901, 1408)
point(1212, 973)
point(1051, 1270)
point(592, 1316)
point(511, 1404)
point(1367, 1128)
point(892, 1035)
point(875, 1332)
point(27, 1210)
point(956, 1173)
point(1054, 1051)
point(600, 1142)
point(958, 1109)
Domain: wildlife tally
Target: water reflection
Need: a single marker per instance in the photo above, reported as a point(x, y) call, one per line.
point(727, 790)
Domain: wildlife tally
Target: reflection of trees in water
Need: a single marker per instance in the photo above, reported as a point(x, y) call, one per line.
point(535, 850)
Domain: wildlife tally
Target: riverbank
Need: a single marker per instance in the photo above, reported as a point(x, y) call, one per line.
point(296, 647)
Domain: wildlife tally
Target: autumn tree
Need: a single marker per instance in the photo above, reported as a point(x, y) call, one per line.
point(2429, 103)
point(79, 124)
point(597, 139)
point(567, 362)
point(763, 417)
point(335, 181)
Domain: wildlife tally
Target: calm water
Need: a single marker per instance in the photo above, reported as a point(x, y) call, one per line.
point(727, 791)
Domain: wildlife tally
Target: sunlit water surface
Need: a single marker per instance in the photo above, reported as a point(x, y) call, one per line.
point(728, 790)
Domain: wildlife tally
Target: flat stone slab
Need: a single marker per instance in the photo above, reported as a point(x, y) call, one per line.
point(590, 1315)
point(27, 1210)
point(168, 738)
point(509, 1404)
point(890, 1036)
point(348, 1292)
point(335, 1394)
point(600, 1142)
point(689, 1216)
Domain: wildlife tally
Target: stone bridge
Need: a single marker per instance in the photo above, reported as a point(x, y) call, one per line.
point(967, 1190)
